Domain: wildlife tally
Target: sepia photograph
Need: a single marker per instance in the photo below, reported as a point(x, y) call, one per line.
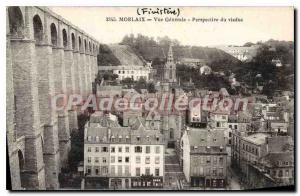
point(150, 98)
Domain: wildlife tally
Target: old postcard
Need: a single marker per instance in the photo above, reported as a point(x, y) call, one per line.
point(150, 98)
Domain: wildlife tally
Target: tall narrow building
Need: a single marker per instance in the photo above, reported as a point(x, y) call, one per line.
point(170, 68)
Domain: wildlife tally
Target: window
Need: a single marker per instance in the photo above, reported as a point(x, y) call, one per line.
point(120, 138)
point(97, 149)
point(287, 172)
point(112, 170)
point(138, 171)
point(119, 159)
point(147, 160)
point(120, 149)
point(215, 160)
point(89, 159)
point(156, 171)
point(147, 171)
point(89, 170)
point(112, 149)
point(97, 171)
point(221, 161)
point(171, 133)
point(104, 160)
point(280, 173)
point(104, 169)
point(202, 160)
point(208, 160)
point(147, 149)
point(157, 138)
point(126, 159)
point(112, 139)
point(157, 149)
point(214, 172)
point(220, 171)
point(215, 140)
point(235, 126)
point(120, 170)
point(126, 170)
point(127, 139)
point(138, 159)
point(104, 149)
point(89, 149)
point(112, 159)
point(126, 149)
point(207, 171)
point(156, 160)
point(138, 149)
point(148, 138)
point(230, 126)
point(138, 138)
point(218, 124)
point(96, 159)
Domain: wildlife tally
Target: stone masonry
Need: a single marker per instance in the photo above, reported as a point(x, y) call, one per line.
point(46, 56)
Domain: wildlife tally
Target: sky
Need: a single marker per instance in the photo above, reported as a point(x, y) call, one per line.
point(258, 24)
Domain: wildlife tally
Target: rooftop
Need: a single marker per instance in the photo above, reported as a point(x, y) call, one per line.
point(257, 138)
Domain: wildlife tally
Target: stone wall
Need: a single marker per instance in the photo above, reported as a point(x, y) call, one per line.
point(44, 58)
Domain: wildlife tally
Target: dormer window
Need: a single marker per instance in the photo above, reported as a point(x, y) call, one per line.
point(112, 138)
point(138, 138)
point(157, 138)
point(127, 138)
point(89, 138)
point(97, 138)
point(221, 148)
point(120, 138)
point(148, 138)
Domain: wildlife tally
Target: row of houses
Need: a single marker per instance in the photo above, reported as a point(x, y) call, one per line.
point(118, 157)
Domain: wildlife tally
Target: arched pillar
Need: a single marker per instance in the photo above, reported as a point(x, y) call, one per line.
point(60, 88)
point(27, 101)
point(89, 68)
point(70, 79)
point(10, 110)
point(46, 89)
point(84, 68)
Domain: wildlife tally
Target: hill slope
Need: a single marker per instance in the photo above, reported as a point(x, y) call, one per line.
point(125, 55)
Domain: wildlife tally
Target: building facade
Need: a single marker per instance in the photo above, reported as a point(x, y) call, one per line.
point(128, 71)
point(204, 158)
point(132, 157)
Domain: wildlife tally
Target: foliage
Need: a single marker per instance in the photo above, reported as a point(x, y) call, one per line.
point(106, 57)
point(77, 143)
point(210, 82)
point(272, 78)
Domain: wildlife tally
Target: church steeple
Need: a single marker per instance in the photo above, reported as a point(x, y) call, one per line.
point(170, 55)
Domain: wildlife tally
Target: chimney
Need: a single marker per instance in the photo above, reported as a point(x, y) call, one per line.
point(187, 130)
point(108, 133)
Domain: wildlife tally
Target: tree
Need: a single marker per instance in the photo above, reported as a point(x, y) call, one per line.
point(128, 82)
point(248, 44)
point(151, 88)
point(141, 84)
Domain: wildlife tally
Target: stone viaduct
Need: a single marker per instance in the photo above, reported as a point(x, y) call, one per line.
point(46, 55)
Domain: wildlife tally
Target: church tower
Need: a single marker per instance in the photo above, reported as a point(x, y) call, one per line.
point(170, 68)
